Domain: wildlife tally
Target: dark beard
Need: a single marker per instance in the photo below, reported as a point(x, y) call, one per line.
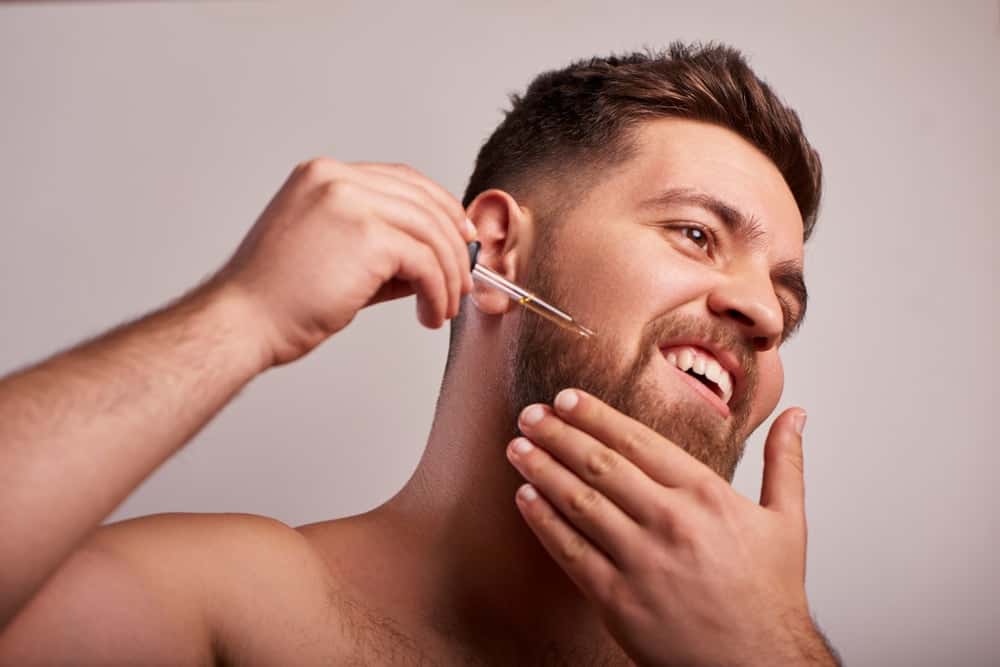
point(548, 359)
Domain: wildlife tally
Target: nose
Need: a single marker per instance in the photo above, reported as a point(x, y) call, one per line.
point(748, 299)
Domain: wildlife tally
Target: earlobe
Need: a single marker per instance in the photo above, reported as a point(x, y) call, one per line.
point(503, 229)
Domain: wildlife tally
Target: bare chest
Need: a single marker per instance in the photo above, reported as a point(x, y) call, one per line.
point(352, 636)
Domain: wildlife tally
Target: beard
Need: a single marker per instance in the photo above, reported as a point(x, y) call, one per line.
point(547, 359)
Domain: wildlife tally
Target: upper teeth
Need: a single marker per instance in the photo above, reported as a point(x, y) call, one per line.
point(690, 359)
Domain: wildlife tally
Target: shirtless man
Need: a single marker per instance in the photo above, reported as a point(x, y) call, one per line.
point(573, 505)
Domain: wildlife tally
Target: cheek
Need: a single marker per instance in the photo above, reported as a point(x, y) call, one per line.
point(770, 385)
point(619, 289)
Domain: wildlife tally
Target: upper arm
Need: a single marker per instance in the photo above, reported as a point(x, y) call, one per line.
point(172, 588)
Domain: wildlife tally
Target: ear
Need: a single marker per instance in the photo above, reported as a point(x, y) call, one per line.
point(504, 230)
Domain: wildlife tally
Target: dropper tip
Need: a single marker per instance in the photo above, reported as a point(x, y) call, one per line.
point(584, 331)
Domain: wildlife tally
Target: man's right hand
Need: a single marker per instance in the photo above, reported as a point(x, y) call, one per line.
point(79, 431)
point(338, 237)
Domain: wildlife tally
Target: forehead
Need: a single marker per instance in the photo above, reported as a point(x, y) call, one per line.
point(677, 153)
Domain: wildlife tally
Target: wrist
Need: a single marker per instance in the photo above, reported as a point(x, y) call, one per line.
point(233, 317)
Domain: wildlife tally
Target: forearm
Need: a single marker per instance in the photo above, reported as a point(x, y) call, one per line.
point(805, 644)
point(80, 431)
point(816, 649)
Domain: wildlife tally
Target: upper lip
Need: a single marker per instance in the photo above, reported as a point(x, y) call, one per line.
point(725, 356)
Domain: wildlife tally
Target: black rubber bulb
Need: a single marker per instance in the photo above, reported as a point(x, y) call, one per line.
point(474, 247)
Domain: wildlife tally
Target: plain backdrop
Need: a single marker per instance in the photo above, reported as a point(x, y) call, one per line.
point(139, 141)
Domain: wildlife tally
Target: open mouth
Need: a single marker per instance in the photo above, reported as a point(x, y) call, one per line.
point(704, 372)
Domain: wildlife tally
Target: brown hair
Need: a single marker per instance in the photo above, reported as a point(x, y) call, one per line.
point(582, 115)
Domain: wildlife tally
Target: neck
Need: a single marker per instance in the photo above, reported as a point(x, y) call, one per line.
point(490, 576)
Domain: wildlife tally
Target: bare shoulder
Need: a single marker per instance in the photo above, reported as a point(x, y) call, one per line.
point(185, 588)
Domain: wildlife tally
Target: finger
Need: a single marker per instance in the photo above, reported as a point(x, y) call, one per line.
point(438, 233)
point(415, 262)
point(419, 223)
point(590, 512)
point(585, 565)
point(783, 487)
point(399, 181)
point(598, 465)
point(452, 206)
point(380, 191)
point(655, 455)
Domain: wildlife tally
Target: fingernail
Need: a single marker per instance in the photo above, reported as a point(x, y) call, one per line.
point(532, 415)
point(470, 230)
point(527, 492)
point(522, 446)
point(566, 400)
point(800, 422)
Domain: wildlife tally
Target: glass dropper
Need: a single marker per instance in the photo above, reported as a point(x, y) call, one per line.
point(522, 296)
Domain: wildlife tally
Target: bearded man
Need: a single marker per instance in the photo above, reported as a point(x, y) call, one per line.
point(661, 198)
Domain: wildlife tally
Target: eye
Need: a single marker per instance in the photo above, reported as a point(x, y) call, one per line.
point(697, 236)
point(791, 319)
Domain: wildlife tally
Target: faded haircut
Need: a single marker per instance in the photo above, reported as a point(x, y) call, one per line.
point(573, 124)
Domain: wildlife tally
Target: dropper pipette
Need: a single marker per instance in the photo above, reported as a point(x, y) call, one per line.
point(522, 296)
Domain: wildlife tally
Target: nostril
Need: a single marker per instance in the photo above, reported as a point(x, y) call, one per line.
point(740, 317)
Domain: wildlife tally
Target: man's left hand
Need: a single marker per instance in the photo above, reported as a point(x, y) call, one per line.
point(683, 569)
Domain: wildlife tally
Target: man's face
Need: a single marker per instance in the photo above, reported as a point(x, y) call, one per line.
point(688, 254)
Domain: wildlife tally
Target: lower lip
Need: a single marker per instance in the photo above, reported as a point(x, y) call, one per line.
point(700, 389)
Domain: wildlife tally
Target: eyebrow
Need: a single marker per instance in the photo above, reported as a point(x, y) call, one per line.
point(746, 227)
point(787, 274)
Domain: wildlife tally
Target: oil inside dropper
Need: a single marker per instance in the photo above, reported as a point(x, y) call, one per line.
point(570, 324)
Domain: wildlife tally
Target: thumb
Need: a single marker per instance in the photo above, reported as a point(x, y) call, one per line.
point(783, 487)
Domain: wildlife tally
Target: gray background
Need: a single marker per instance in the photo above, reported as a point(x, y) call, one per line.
point(138, 142)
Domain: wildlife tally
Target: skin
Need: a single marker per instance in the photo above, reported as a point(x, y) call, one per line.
point(453, 569)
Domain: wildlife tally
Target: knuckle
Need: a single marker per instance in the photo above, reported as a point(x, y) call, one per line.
point(631, 445)
point(601, 462)
point(663, 510)
point(335, 191)
point(708, 490)
point(572, 549)
point(583, 502)
point(661, 515)
point(302, 167)
point(313, 168)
